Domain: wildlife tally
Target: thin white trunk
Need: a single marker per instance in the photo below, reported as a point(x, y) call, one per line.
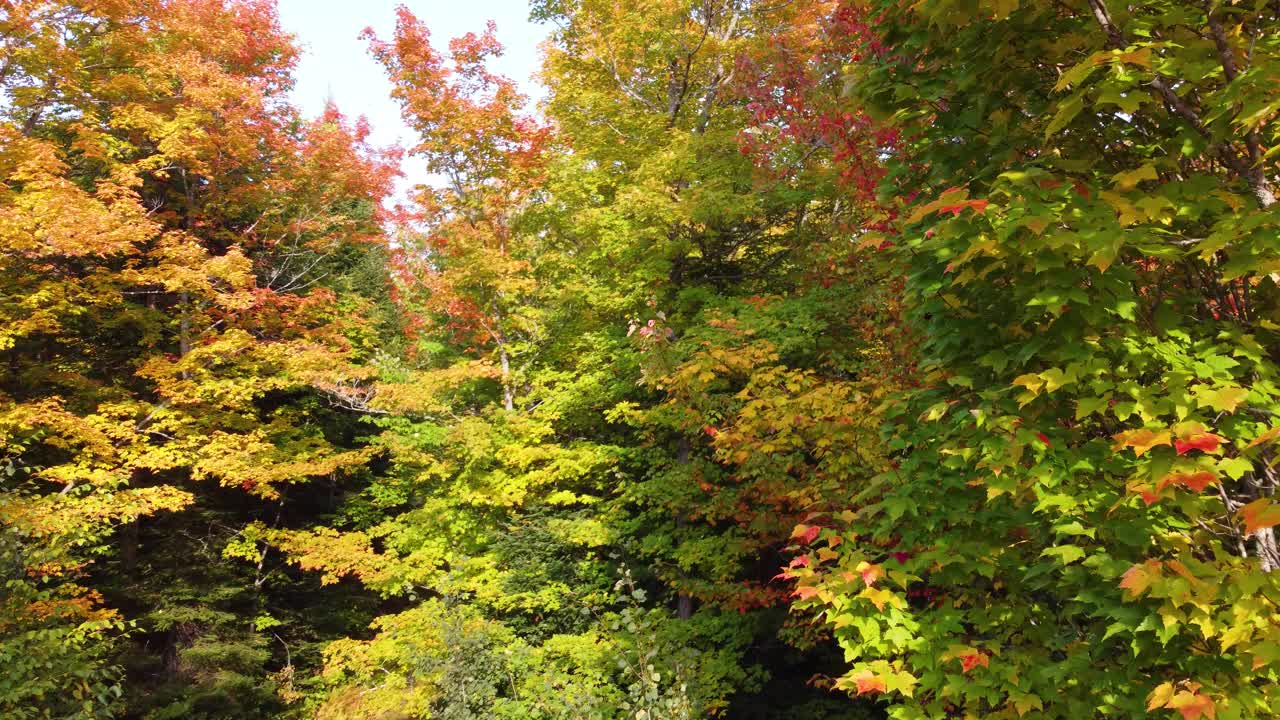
point(508, 392)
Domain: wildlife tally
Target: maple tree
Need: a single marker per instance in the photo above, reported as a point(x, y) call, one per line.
point(1076, 523)
point(837, 358)
point(472, 271)
point(166, 222)
point(544, 261)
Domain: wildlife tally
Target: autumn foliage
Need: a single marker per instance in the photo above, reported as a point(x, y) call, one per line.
point(823, 359)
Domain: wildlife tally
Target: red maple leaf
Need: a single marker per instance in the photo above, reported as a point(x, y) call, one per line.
point(1204, 442)
point(973, 660)
point(806, 533)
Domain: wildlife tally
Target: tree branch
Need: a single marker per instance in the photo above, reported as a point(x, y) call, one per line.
point(1252, 175)
point(1252, 141)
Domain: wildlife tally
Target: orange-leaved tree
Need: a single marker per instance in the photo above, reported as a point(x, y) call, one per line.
point(167, 226)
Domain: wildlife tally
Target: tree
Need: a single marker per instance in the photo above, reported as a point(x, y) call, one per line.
point(473, 271)
point(1077, 521)
point(556, 241)
point(167, 222)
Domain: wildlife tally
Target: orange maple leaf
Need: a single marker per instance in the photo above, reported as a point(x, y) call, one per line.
point(1142, 440)
point(870, 572)
point(1259, 515)
point(868, 682)
point(1139, 577)
point(1195, 482)
point(1192, 705)
point(806, 592)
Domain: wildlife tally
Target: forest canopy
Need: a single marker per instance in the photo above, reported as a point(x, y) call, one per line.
point(808, 360)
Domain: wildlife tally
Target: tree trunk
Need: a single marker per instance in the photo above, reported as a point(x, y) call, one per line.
point(508, 391)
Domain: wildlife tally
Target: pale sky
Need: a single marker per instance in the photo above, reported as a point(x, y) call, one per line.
point(335, 62)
